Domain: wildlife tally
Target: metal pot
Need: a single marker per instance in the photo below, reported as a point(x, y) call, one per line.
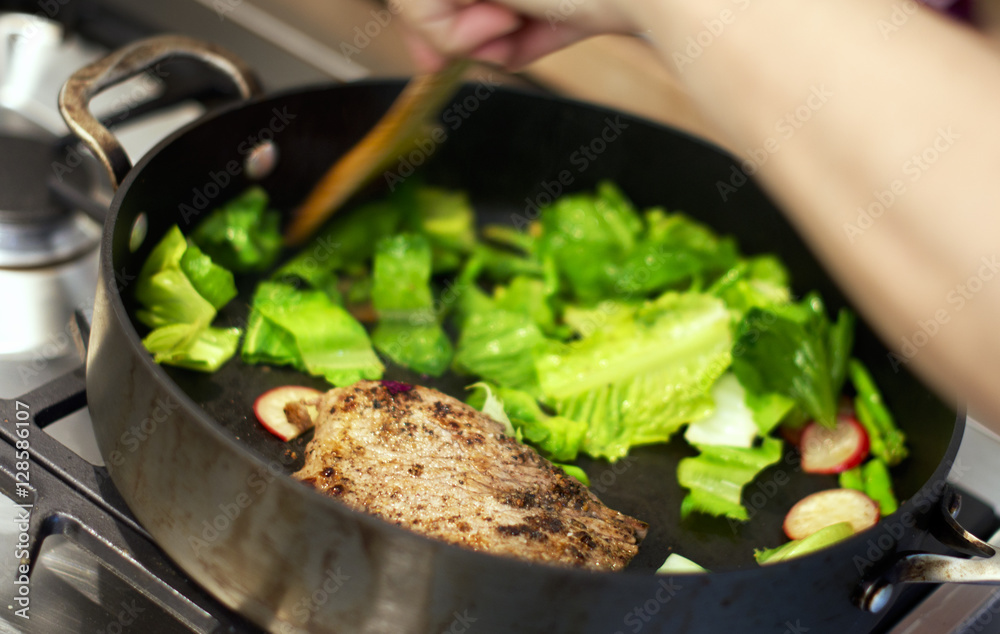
point(213, 489)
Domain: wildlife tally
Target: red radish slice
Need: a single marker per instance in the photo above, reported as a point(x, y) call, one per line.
point(826, 508)
point(270, 410)
point(833, 450)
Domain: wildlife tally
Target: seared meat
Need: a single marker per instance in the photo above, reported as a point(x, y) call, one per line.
point(426, 461)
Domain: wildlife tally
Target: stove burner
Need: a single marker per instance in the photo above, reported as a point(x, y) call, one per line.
point(35, 229)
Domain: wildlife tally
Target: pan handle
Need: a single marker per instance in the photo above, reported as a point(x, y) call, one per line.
point(84, 84)
point(873, 595)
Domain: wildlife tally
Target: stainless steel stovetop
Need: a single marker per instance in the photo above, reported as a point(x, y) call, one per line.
point(102, 574)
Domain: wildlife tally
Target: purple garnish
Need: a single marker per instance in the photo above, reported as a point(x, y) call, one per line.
point(395, 387)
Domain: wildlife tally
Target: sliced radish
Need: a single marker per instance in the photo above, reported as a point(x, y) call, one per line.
point(270, 408)
point(833, 450)
point(826, 508)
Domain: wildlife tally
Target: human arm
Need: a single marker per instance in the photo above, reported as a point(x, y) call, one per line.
point(908, 127)
point(873, 95)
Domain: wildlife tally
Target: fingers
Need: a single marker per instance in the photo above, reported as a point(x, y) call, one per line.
point(483, 30)
point(457, 27)
point(426, 58)
point(534, 40)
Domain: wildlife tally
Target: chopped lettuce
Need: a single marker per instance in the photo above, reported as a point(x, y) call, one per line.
point(304, 329)
point(499, 346)
point(588, 236)
point(180, 289)
point(796, 548)
point(887, 441)
point(731, 422)
point(637, 381)
point(242, 235)
point(768, 409)
point(673, 250)
point(348, 240)
point(872, 479)
point(795, 351)
point(758, 282)
point(717, 475)
point(555, 437)
point(678, 564)
point(528, 295)
point(492, 406)
point(408, 331)
point(191, 347)
point(602, 247)
point(574, 471)
point(212, 281)
point(446, 219)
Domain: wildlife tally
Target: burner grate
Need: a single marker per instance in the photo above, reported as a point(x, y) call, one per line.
point(67, 499)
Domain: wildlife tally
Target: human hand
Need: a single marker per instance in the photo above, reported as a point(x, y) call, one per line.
point(510, 33)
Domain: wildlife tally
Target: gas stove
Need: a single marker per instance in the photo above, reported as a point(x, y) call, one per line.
point(94, 568)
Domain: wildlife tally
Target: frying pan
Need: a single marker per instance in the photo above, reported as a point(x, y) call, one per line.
point(212, 487)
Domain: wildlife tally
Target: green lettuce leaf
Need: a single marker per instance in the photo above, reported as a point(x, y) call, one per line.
point(675, 249)
point(407, 330)
point(731, 422)
point(556, 437)
point(243, 235)
point(204, 349)
point(795, 351)
point(888, 442)
point(872, 479)
point(328, 341)
point(446, 219)
point(675, 564)
point(717, 475)
point(347, 240)
point(179, 289)
point(637, 382)
point(796, 548)
point(588, 236)
point(212, 282)
point(499, 346)
point(758, 282)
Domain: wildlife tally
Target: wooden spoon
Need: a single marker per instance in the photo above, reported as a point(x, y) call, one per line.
point(412, 112)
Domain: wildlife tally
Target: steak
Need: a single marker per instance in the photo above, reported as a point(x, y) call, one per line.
point(428, 462)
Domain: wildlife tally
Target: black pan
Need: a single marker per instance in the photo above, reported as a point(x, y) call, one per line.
point(211, 485)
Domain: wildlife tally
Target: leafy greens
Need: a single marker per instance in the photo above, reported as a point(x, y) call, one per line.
point(180, 290)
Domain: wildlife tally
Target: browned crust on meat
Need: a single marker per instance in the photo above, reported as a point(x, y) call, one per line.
point(426, 461)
